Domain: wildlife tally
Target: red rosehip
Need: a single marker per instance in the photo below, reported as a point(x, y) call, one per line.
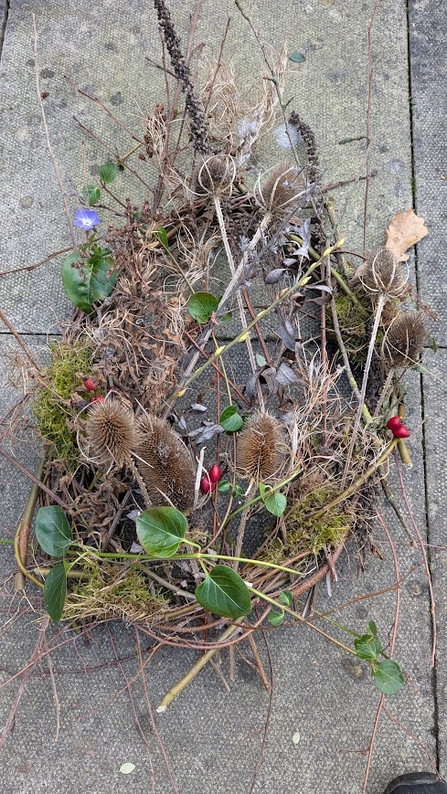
point(205, 485)
point(215, 473)
point(394, 423)
point(98, 399)
point(89, 384)
point(401, 432)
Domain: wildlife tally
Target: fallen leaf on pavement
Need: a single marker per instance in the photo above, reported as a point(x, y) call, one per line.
point(405, 229)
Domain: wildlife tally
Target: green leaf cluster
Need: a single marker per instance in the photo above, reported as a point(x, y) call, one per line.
point(89, 275)
point(54, 535)
point(387, 674)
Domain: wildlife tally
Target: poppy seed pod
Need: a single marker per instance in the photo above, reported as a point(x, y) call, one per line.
point(259, 447)
point(111, 432)
point(165, 464)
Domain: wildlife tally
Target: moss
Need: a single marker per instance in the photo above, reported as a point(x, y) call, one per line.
point(106, 591)
point(52, 406)
point(308, 534)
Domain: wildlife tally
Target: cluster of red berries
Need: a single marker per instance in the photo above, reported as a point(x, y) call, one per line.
point(91, 386)
point(397, 427)
point(209, 482)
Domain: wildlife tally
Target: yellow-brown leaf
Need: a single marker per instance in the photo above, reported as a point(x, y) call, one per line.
point(405, 229)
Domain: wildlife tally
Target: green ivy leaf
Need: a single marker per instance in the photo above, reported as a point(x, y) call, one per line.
point(286, 597)
point(92, 194)
point(224, 593)
point(297, 57)
point(160, 530)
point(55, 591)
point(90, 280)
point(276, 618)
point(275, 503)
point(230, 420)
point(388, 677)
point(53, 532)
point(202, 305)
point(368, 647)
point(107, 172)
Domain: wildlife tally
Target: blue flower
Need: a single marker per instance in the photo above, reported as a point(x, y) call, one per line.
point(86, 219)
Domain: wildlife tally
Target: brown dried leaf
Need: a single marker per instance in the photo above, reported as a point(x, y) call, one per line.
point(405, 229)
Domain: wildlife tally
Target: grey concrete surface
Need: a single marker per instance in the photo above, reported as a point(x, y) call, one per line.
point(214, 738)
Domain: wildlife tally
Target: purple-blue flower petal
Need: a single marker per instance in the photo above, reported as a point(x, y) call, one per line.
point(86, 219)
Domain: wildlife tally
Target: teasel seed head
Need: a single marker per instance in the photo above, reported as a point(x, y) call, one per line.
point(111, 432)
point(260, 447)
point(405, 339)
point(165, 464)
point(216, 175)
point(383, 274)
point(283, 187)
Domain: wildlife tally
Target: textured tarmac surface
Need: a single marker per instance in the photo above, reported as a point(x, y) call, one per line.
point(217, 740)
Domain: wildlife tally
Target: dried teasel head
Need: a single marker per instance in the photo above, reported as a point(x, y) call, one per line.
point(111, 432)
point(284, 187)
point(382, 273)
point(216, 175)
point(405, 339)
point(165, 464)
point(260, 447)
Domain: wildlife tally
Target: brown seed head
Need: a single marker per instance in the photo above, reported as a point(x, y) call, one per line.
point(166, 466)
point(111, 432)
point(216, 175)
point(384, 274)
point(405, 339)
point(260, 447)
point(283, 187)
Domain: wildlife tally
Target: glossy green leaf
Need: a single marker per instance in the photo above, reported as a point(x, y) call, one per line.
point(107, 172)
point(276, 618)
point(92, 194)
point(388, 677)
point(53, 532)
point(297, 57)
point(224, 487)
point(230, 420)
point(90, 280)
point(224, 593)
point(202, 305)
point(368, 647)
point(160, 530)
point(275, 503)
point(55, 592)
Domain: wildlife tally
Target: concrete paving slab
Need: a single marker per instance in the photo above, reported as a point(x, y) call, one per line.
point(214, 738)
point(428, 39)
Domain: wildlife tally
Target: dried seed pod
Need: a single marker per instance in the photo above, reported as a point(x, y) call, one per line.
point(165, 464)
point(216, 175)
point(283, 187)
point(383, 273)
point(405, 339)
point(111, 432)
point(260, 447)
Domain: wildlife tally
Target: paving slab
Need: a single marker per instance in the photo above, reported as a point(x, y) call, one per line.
point(215, 738)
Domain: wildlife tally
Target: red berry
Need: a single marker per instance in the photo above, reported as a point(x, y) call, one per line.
point(394, 423)
point(215, 473)
point(397, 427)
point(401, 432)
point(205, 485)
point(98, 399)
point(88, 384)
